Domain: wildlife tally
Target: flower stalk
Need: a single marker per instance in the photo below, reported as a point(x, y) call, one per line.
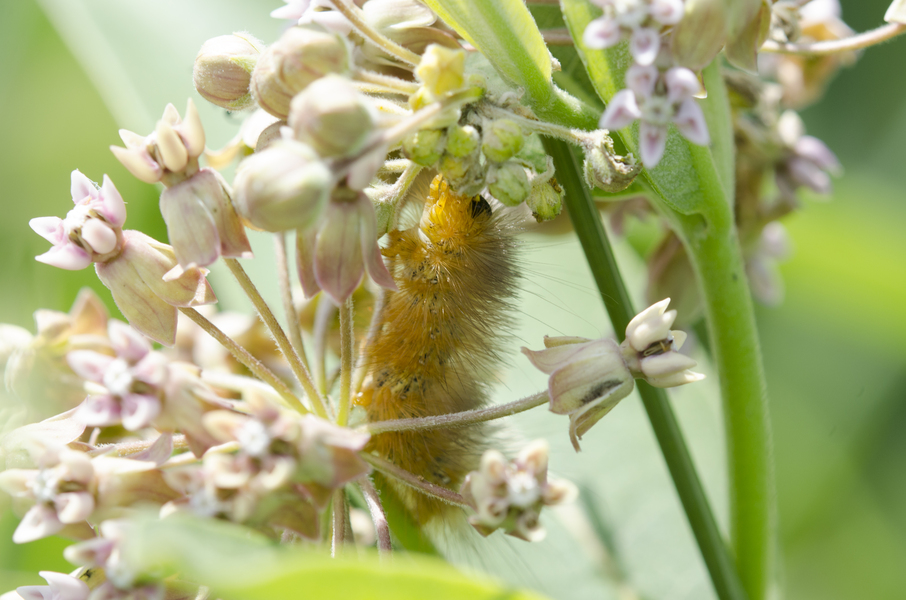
point(273, 325)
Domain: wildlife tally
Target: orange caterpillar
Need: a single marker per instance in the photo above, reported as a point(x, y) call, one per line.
point(436, 346)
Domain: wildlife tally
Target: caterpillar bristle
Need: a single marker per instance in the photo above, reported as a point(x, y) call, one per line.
point(438, 341)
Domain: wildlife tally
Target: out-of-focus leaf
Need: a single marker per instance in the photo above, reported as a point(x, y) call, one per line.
point(239, 565)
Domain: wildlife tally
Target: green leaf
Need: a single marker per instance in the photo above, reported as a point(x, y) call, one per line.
point(239, 564)
point(505, 32)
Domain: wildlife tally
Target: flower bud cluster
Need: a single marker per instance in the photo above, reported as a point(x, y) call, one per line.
point(589, 377)
point(509, 495)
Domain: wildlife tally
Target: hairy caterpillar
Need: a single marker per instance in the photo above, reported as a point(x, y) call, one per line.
point(436, 345)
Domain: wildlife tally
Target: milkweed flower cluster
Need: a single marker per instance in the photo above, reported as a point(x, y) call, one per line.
point(348, 112)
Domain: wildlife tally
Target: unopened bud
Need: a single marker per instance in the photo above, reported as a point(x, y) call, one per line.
point(701, 33)
point(223, 70)
point(462, 141)
point(424, 147)
point(283, 187)
point(299, 57)
point(546, 200)
point(332, 117)
point(502, 139)
point(441, 69)
point(748, 29)
point(511, 185)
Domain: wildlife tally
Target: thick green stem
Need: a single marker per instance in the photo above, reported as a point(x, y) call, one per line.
point(591, 233)
point(716, 256)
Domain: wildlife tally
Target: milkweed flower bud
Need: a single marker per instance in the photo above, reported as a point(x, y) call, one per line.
point(700, 34)
point(509, 495)
point(589, 377)
point(301, 55)
point(604, 169)
point(546, 198)
point(509, 184)
point(425, 147)
point(462, 140)
point(285, 186)
point(223, 70)
point(332, 117)
point(501, 140)
point(170, 153)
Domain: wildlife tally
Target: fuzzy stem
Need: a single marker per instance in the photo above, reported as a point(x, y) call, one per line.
point(590, 230)
point(245, 357)
point(855, 42)
point(378, 517)
point(414, 481)
point(324, 314)
point(354, 15)
point(394, 84)
point(573, 136)
point(459, 419)
point(289, 305)
point(347, 361)
point(273, 325)
point(338, 537)
point(377, 318)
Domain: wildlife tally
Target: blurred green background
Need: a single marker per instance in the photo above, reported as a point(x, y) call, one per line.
point(835, 351)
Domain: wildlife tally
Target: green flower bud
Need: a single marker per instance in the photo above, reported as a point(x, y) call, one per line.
point(546, 199)
point(425, 147)
point(503, 138)
point(511, 184)
point(462, 141)
point(267, 89)
point(283, 187)
point(223, 70)
point(332, 117)
point(701, 33)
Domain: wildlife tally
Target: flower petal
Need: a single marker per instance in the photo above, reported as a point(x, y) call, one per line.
point(88, 364)
point(644, 45)
point(49, 228)
point(39, 522)
point(374, 261)
point(172, 149)
point(65, 587)
point(81, 187)
point(152, 260)
point(98, 411)
point(74, 507)
point(621, 111)
point(127, 342)
point(602, 33)
point(139, 163)
point(138, 410)
point(690, 120)
point(191, 131)
point(97, 234)
point(66, 256)
point(641, 79)
point(652, 141)
point(215, 195)
point(551, 359)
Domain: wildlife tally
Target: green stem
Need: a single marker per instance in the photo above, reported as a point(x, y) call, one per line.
point(591, 233)
point(264, 311)
point(717, 259)
point(347, 361)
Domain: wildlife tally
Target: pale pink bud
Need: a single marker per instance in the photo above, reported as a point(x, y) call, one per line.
point(667, 12)
point(681, 84)
point(223, 70)
point(332, 117)
point(59, 587)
